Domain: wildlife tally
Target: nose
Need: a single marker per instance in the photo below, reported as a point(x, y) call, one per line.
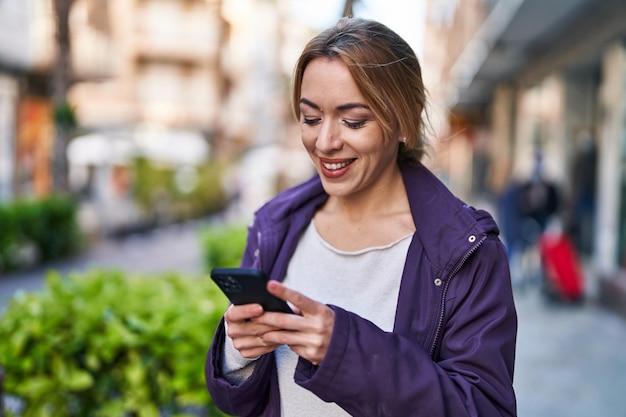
point(328, 137)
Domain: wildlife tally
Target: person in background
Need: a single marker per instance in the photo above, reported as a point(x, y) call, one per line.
point(402, 293)
point(511, 217)
point(580, 213)
point(539, 201)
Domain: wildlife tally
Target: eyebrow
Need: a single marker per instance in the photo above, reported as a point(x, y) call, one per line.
point(343, 107)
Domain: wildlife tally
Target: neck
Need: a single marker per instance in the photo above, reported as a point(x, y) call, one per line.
point(379, 217)
point(389, 196)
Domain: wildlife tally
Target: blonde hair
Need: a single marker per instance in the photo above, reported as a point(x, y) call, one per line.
point(386, 71)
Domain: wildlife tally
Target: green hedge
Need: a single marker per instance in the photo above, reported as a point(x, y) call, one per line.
point(106, 344)
point(158, 193)
point(35, 231)
point(223, 245)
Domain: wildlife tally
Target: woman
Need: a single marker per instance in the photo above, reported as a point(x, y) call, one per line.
point(402, 292)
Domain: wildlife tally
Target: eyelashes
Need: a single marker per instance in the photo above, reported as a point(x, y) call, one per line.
point(355, 125)
point(352, 125)
point(311, 122)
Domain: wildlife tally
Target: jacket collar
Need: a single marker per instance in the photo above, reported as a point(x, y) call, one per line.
point(447, 227)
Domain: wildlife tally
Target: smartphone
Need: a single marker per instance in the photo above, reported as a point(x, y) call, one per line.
point(248, 286)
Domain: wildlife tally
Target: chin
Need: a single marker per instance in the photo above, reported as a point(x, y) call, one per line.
point(335, 189)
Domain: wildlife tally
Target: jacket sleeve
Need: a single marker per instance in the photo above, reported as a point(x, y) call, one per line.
point(246, 399)
point(371, 372)
point(250, 397)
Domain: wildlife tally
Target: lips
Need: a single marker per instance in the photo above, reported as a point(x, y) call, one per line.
point(335, 168)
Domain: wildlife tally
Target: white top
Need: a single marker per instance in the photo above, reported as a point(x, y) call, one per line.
point(356, 281)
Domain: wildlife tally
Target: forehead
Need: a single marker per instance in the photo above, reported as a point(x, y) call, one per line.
point(326, 79)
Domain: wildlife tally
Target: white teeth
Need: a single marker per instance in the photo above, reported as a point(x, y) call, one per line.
point(334, 167)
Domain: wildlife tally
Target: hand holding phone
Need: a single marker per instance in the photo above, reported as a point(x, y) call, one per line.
point(248, 286)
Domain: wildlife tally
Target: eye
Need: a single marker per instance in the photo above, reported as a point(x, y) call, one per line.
point(355, 125)
point(311, 121)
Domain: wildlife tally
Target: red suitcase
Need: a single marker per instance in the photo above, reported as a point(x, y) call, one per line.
point(561, 267)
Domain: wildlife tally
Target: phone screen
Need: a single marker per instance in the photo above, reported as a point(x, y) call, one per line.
point(248, 286)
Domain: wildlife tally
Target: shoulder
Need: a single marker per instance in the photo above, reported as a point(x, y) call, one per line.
point(304, 197)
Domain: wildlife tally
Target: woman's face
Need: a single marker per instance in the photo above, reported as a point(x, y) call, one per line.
point(340, 133)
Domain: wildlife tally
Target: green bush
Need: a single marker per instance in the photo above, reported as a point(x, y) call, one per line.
point(106, 344)
point(8, 238)
point(48, 226)
point(223, 245)
point(159, 194)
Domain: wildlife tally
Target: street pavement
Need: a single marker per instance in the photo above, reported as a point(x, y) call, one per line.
point(172, 248)
point(571, 359)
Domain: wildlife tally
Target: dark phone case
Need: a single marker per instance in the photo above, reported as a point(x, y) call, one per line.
point(247, 286)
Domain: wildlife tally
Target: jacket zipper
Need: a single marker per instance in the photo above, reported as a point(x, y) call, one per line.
point(442, 311)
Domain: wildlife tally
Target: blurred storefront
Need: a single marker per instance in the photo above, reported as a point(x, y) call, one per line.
point(34, 142)
point(522, 76)
point(27, 54)
point(14, 60)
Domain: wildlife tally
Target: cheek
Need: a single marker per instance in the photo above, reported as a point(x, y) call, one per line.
point(374, 145)
point(308, 138)
point(382, 152)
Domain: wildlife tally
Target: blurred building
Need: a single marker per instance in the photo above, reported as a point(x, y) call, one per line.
point(149, 72)
point(518, 76)
point(26, 51)
point(214, 66)
point(148, 61)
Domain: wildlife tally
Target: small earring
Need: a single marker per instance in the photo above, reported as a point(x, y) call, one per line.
point(403, 140)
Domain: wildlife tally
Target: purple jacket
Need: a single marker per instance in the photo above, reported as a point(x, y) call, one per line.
point(452, 349)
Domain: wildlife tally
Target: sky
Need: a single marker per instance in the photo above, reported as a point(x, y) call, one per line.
point(404, 17)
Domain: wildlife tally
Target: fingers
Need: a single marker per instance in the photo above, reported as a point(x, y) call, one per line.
point(246, 333)
point(302, 303)
point(308, 334)
point(242, 321)
point(255, 332)
point(253, 346)
point(311, 346)
point(241, 313)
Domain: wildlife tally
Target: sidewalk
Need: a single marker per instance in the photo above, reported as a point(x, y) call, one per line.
point(571, 359)
point(172, 248)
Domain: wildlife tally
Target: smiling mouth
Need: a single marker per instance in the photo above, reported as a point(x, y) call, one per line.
point(335, 166)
